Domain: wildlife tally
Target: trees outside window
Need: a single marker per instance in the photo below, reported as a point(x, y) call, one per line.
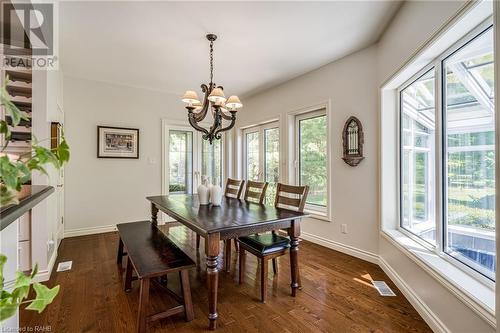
point(262, 156)
point(462, 180)
point(312, 161)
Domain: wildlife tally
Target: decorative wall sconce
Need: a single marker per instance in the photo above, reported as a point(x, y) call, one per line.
point(353, 139)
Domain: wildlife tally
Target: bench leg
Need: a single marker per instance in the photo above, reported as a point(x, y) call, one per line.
point(263, 280)
point(143, 306)
point(227, 255)
point(236, 245)
point(197, 241)
point(186, 295)
point(119, 256)
point(243, 257)
point(128, 275)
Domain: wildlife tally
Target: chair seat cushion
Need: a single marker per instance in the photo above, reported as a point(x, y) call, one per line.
point(266, 243)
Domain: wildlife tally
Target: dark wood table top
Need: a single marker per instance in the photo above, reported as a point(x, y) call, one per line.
point(231, 216)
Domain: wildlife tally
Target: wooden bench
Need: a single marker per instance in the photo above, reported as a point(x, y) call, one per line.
point(152, 254)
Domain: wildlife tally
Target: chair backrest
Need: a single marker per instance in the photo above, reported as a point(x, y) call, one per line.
point(256, 191)
point(234, 188)
point(297, 200)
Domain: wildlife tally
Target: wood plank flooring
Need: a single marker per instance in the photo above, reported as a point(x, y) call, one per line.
point(337, 295)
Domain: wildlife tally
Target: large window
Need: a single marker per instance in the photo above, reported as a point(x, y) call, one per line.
point(262, 156)
point(311, 137)
point(469, 122)
point(417, 157)
point(449, 202)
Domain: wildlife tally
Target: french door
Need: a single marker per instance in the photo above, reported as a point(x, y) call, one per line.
point(261, 148)
point(188, 159)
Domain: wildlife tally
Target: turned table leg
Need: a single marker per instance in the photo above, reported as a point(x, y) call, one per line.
point(294, 233)
point(212, 243)
point(154, 214)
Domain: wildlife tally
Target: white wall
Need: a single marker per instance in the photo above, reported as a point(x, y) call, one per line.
point(102, 192)
point(349, 84)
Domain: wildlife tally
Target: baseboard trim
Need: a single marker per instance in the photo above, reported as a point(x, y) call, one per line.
point(44, 275)
point(347, 249)
point(89, 231)
point(425, 312)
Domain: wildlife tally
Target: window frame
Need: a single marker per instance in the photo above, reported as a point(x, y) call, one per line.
point(310, 114)
point(260, 130)
point(433, 210)
point(440, 163)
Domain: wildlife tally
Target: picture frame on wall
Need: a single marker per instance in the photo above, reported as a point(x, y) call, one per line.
point(117, 142)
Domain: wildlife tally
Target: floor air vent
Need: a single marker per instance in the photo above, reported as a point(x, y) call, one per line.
point(383, 289)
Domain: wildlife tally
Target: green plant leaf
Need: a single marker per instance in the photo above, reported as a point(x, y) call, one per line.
point(3, 260)
point(34, 272)
point(63, 152)
point(4, 129)
point(7, 308)
point(7, 196)
point(22, 286)
point(44, 296)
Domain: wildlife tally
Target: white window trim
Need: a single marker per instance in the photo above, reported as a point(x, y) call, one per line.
point(467, 19)
point(292, 154)
point(260, 130)
point(316, 209)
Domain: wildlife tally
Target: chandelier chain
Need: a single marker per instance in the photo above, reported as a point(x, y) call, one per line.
point(211, 62)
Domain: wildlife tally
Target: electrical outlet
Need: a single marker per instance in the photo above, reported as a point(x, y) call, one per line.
point(343, 228)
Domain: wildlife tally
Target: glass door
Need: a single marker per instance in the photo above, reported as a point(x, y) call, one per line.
point(180, 162)
point(262, 156)
point(188, 159)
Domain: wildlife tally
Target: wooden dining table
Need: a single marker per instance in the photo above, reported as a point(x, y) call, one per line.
point(233, 218)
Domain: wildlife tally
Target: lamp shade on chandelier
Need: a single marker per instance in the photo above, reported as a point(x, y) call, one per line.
point(223, 110)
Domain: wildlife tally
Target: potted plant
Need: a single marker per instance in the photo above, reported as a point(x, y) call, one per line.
point(13, 174)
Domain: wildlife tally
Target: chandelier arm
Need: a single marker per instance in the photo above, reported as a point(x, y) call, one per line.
point(228, 127)
point(194, 123)
point(226, 116)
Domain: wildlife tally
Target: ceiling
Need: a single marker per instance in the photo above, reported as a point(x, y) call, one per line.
point(162, 45)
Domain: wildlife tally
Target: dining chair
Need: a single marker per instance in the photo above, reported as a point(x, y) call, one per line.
point(255, 191)
point(233, 189)
point(271, 245)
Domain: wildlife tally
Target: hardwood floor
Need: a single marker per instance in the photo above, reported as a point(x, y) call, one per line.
point(337, 295)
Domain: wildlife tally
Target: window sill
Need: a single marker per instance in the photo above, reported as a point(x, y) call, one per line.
point(476, 294)
point(317, 215)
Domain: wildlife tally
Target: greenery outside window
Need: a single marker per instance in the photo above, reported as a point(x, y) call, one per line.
point(262, 156)
point(312, 161)
point(448, 202)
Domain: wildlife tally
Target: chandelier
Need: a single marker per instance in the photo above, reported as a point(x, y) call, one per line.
point(214, 99)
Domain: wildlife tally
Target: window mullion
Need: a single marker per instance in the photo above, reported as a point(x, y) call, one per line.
point(439, 158)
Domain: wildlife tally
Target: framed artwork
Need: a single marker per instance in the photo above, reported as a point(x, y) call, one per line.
point(117, 142)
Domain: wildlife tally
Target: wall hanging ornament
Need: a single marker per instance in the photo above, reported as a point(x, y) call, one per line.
point(353, 139)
